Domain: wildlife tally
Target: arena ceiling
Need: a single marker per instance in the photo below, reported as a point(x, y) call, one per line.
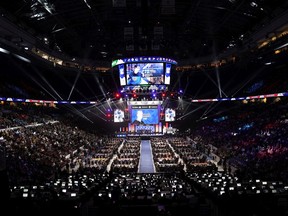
point(109, 29)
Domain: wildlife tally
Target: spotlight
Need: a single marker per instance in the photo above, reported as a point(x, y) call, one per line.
point(117, 95)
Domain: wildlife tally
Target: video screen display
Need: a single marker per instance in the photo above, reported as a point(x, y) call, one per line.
point(170, 115)
point(145, 73)
point(167, 74)
point(119, 115)
point(122, 75)
point(144, 114)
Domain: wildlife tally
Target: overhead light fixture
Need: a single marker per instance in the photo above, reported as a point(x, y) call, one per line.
point(37, 16)
point(87, 4)
point(22, 58)
point(40, 8)
point(48, 6)
point(58, 30)
point(254, 4)
point(4, 50)
point(268, 63)
point(282, 46)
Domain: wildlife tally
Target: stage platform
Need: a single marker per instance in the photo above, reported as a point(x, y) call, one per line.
point(139, 134)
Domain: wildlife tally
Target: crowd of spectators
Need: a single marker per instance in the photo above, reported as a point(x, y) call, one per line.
point(251, 142)
point(45, 155)
point(192, 157)
point(165, 158)
point(128, 156)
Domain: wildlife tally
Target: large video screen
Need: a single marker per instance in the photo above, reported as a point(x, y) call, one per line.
point(119, 115)
point(145, 73)
point(170, 114)
point(122, 75)
point(144, 114)
point(167, 74)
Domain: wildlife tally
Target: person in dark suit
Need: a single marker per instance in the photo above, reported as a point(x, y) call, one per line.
point(136, 77)
point(139, 118)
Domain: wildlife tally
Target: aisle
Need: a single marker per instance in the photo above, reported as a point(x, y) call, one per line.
point(146, 164)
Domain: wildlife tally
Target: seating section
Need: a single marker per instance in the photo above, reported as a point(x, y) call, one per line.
point(46, 157)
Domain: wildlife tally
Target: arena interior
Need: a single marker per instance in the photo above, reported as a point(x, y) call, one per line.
point(144, 107)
